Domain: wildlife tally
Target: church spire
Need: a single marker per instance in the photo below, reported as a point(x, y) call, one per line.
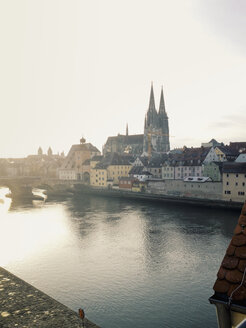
point(152, 99)
point(162, 103)
point(126, 129)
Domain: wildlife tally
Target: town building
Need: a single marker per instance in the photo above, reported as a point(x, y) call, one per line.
point(211, 143)
point(178, 166)
point(221, 154)
point(213, 170)
point(99, 176)
point(124, 144)
point(116, 166)
point(234, 181)
point(73, 164)
point(238, 146)
point(241, 157)
point(125, 183)
point(156, 128)
point(140, 173)
point(155, 165)
point(40, 165)
point(152, 166)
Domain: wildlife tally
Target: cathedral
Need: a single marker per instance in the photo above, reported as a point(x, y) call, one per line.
point(156, 130)
point(155, 139)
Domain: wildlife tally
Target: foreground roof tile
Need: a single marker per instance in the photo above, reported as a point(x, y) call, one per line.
point(231, 280)
point(230, 262)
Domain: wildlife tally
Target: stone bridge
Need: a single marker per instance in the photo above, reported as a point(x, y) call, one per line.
point(21, 187)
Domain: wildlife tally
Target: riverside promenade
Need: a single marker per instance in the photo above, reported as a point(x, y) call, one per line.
point(22, 305)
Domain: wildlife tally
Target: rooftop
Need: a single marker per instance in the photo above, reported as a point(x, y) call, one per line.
point(84, 147)
point(230, 281)
point(130, 139)
point(234, 167)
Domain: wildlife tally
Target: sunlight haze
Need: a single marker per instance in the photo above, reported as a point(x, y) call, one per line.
point(84, 68)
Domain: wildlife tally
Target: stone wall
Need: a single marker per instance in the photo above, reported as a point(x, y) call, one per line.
point(180, 188)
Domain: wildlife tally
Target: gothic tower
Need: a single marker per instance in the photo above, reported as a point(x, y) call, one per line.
point(164, 145)
point(156, 130)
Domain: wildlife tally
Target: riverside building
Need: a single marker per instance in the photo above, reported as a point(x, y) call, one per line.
point(73, 166)
point(234, 182)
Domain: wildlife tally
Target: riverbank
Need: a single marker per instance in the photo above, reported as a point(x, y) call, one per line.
point(23, 305)
point(117, 193)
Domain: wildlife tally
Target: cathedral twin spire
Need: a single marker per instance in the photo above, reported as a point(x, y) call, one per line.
point(162, 108)
point(153, 117)
point(156, 129)
point(152, 101)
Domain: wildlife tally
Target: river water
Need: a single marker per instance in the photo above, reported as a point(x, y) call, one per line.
point(126, 263)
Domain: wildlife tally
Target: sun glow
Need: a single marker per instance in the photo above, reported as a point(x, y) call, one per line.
point(26, 233)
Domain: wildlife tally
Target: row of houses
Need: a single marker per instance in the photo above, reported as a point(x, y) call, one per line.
point(32, 165)
point(217, 171)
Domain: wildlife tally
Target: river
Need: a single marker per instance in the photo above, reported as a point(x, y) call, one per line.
point(126, 263)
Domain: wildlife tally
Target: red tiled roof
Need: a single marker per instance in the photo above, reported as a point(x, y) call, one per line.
point(231, 272)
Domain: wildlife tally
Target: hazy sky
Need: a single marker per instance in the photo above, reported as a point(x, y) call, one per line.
point(84, 68)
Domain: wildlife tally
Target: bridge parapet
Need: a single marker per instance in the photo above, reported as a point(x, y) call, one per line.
point(23, 185)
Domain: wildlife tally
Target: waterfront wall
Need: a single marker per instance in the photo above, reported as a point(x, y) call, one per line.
point(180, 188)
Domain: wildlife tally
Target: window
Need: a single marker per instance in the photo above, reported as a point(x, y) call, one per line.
point(243, 184)
point(236, 175)
point(227, 175)
point(236, 184)
point(227, 183)
point(227, 192)
point(241, 193)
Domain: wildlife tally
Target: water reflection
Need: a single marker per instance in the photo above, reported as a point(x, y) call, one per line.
point(5, 202)
point(120, 259)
